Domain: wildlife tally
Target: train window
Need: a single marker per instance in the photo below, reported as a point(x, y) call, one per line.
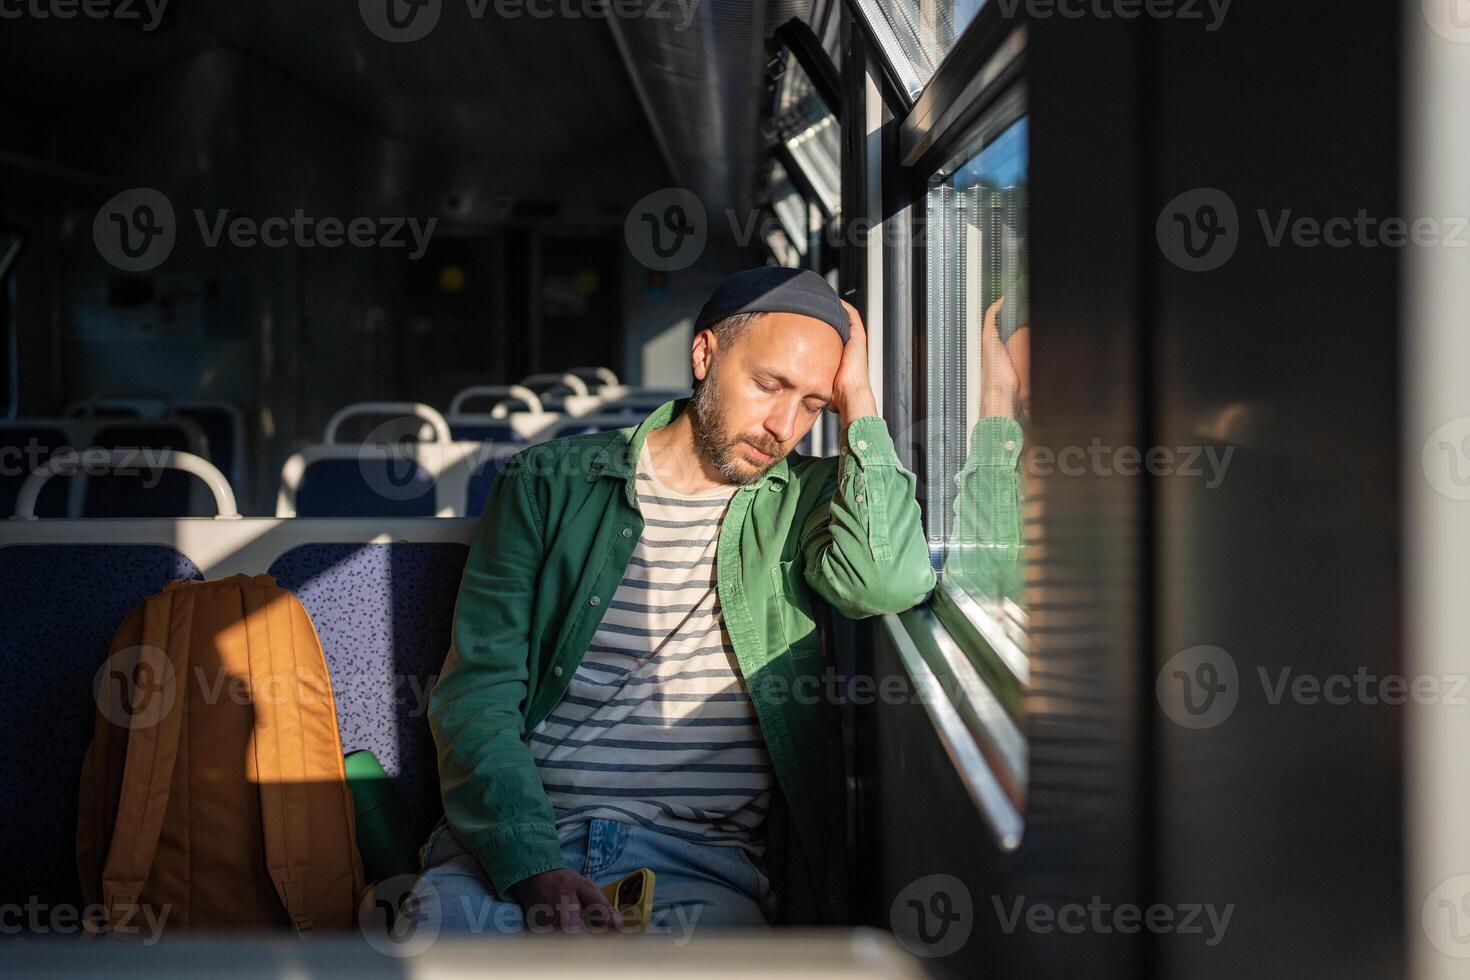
point(811, 135)
point(790, 209)
point(979, 391)
point(826, 23)
point(781, 248)
point(915, 35)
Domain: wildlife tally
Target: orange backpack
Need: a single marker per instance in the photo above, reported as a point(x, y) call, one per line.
point(213, 795)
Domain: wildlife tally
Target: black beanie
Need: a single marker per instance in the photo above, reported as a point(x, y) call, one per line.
point(774, 289)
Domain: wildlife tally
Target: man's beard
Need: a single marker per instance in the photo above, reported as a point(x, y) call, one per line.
point(708, 422)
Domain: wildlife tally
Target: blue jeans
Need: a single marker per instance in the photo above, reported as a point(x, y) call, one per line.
point(694, 884)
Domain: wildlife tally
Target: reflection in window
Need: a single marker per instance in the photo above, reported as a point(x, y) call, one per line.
point(789, 206)
point(781, 249)
point(979, 364)
point(916, 34)
point(811, 134)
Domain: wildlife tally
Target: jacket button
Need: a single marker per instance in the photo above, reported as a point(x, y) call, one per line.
point(859, 498)
point(557, 670)
point(595, 600)
point(627, 532)
point(862, 444)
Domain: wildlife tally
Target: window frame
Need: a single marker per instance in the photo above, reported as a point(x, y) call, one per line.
point(981, 723)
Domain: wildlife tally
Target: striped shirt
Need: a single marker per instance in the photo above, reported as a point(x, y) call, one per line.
point(657, 727)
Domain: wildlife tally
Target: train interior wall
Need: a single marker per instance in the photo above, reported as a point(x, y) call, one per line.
point(526, 269)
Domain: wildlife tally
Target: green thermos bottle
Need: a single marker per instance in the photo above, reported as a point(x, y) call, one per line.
point(384, 832)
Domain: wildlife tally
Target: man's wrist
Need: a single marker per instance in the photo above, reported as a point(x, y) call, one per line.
point(858, 407)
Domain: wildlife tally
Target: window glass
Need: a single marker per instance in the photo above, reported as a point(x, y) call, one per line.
point(979, 374)
point(915, 35)
point(789, 207)
point(826, 23)
point(781, 248)
point(811, 133)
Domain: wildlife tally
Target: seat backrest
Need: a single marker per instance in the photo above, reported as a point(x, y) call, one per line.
point(222, 423)
point(169, 493)
point(383, 613)
point(353, 488)
point(23, 446)
point(412, 480)
point(59, 607)
point(380, 592)
point(224, 430)
point(482, 478)
point(145, 494)
point(489, 430)
point(586, 424)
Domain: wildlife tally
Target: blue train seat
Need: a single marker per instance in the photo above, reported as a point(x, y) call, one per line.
point(59, 606)
point(389, 479)
point(380, 593)
point(221, 422)
point(383, 613)
point(483, 477)
point(149, 494)
point(25, 444)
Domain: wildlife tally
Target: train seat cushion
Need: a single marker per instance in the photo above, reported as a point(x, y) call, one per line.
point(383, 613)
point(58, 615)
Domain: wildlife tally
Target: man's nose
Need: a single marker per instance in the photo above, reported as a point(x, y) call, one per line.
point(781, 424)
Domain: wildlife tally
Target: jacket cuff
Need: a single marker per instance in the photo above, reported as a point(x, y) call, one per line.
point(512, 854)
point(867, 440)
point(995, 441)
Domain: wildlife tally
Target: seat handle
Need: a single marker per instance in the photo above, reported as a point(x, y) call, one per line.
point(417, 409)
point(169, 459)
point(519, 392)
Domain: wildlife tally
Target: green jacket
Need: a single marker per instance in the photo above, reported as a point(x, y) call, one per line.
point(984, 556)
point(550, 549)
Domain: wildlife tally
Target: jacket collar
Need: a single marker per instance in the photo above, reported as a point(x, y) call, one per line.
point(618, 457)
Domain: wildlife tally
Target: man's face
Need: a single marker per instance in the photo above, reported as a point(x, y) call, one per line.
point(761, 395)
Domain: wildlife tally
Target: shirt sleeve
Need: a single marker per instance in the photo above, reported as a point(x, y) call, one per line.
point(492, 791)
point(985, 553)
point(864, 545)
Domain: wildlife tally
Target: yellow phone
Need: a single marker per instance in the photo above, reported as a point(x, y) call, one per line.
point(632, 896)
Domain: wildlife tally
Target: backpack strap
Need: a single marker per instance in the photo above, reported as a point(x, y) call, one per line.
point(153, 748)
point(280, 763)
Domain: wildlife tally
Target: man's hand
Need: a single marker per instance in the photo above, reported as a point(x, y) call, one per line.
point(566, 901)
point(852, 393)
point(998, 380)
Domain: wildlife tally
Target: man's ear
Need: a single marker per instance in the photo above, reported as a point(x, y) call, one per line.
point(702, 355)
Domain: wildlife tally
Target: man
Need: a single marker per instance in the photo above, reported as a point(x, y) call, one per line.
point(636, 618)
point(985, 555)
